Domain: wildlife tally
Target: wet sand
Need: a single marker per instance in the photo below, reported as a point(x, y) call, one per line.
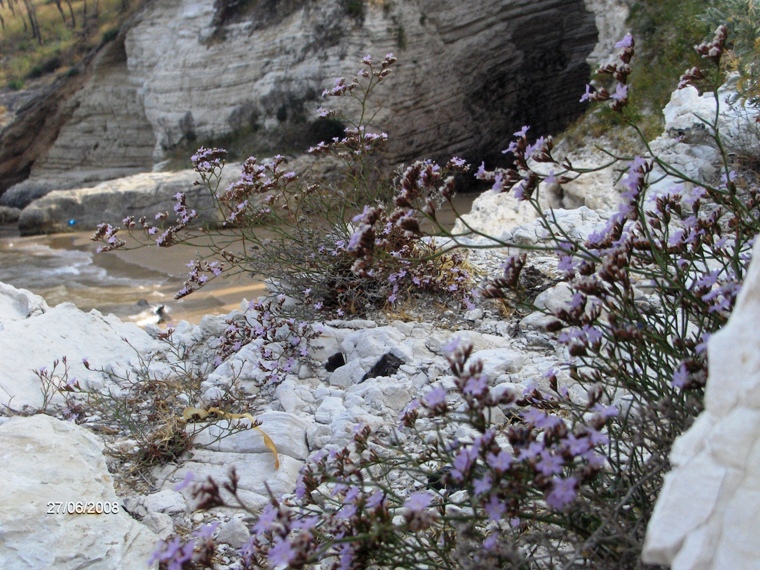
point(126, 277)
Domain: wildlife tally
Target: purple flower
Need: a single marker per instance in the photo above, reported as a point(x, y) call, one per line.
point(482, 486)
point(534, 449)
point(306, 523)
point(522, 132)
point(491, 543)
point(566, 264)
point(498, 183)
point(680, 377)
point(266, 519)
point(206, 530)
point(281, 553)
point(476, 386)
point(549, 464)
point(594, 459)
point(626, 42)
point(577, 445)
point(346, 556)
point(451, 346)
point(175, 553)
point(482, 174)
point(419, 501)
point(708, 280)
point(593, 334)
point(587, 95)
point(540, 420)
point(596, 437)
point(701, 348)
point(606, 411)
point(495, 508)
point(621, 93)
point(501, 462)
point(463, 461)
point(562, 493)
point(189, 476)
point(376, 499)
point(435, 397)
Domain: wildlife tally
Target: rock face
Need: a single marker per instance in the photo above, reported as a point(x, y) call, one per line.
point(184, 72)
point(710, 502)
point(46, 461)
point(110, 201)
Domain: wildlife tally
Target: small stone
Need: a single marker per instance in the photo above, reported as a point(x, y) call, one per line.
point(234, 532)
point(330, 408)
point(385, 367)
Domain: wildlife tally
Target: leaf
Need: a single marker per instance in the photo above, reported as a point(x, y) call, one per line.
point(201, 414)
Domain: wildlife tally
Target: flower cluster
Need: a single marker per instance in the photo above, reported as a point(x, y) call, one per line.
point(620, 71)
point(107, 234)
point(371, 503)
point(281, 342)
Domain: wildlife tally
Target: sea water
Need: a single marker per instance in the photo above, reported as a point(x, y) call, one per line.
point(65, 268)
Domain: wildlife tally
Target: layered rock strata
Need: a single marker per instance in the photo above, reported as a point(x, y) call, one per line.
point(465, 79)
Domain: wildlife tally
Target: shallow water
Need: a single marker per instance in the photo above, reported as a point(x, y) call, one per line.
point(65, 268)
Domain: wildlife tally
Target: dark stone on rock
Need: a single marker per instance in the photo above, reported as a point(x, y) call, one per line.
point(387, 366)
point(335, 361)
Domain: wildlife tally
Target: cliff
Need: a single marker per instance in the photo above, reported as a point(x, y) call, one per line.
point(192, 71)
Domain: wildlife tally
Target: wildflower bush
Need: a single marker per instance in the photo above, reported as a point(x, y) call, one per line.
point(302, 234)
point(572, 476)
point(148, 414)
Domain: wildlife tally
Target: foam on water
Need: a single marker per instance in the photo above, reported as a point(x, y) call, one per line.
point(37, 266)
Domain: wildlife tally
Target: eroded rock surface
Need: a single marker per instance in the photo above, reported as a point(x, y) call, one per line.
point(709, 506)
point(49, 465)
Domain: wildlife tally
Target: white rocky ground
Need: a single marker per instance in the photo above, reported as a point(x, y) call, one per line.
point(46, 459)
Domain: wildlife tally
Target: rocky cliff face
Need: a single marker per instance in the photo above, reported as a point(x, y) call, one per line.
point(192, 70)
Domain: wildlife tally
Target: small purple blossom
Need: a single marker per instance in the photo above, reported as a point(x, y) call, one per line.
point(562, 493)
point(483, 485)
point(626, 42)
point(522, 132)
point(501, 462)
point(435, 397)
point(189, 476)
point(680, 377)
point(495, 508)
point(281, 553)
point(419, 501)
point(476, 386)
point(266, 519)
point(549, 464)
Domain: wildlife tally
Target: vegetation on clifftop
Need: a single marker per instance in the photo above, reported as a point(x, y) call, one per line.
point(42, 37)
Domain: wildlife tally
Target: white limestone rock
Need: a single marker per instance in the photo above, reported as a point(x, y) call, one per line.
point(44, 461)
point(233, 532)
point(17, 304)
point(329, 410)
point(167, 501)
point(49, 334)
point(287, 431)
point(257, 472)
point(495, 213)
point(707, 512)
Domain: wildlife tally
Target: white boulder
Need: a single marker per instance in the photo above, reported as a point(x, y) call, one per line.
point(33, 336)
point(49, 465)
point(708, 511)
